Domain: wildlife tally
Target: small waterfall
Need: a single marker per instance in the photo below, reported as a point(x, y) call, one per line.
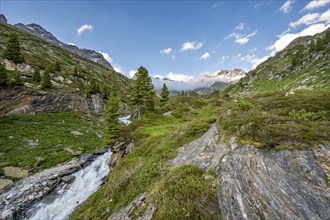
point(87, 181)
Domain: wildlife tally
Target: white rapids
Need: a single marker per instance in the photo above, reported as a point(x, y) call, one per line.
point(86, 182)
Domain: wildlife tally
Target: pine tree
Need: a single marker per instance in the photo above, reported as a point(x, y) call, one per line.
point(142, 92)
point(13, 51)
point(3, 75)
point(45, 80)
point(112, 127)
point(164, 94)
point(93, 87)
point(75, 71)
point(57, 67)
point(36, 75)
point(17, 79)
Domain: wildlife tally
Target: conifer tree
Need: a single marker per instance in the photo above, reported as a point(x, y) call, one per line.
point(3, 75)
point(93, 87)
point(13, 51)
point(57, 66)
point(142, 92)
point(36, 75)
point(164, 94)
point(112, 127)
point(17, 79)
point(45, 80)
point(75, 71)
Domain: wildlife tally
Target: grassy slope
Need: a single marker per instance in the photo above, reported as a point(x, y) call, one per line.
point(146, 169)
point(39, 52)
point(286, 72)
point(53, 132)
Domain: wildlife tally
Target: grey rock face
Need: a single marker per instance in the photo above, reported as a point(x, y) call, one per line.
point(3, 18)
point(39, 31)
point(263, 184)
point(205, 152)
point(22, 100)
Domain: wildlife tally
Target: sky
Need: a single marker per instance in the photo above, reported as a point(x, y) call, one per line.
point(180, 40)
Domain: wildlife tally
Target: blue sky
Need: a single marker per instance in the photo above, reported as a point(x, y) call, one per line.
point(177, 39)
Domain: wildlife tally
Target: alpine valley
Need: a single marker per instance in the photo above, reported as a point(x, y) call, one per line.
point(79, 140)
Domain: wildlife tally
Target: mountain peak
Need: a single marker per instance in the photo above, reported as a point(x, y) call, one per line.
point(3, 18)
point(39, 31)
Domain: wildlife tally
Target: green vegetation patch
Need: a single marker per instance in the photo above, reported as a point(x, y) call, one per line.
point(157, 138)
point(186, 193)
point(277, 121)
point(25, 139)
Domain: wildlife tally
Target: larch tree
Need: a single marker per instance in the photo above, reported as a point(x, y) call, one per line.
point(36, 75)
point(142, 92)
point(13, 50)
point(45, 80)
point(17, 79)
point(112, 127)
point(164, 94)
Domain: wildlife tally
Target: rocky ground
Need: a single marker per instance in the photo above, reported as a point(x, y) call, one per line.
point(256, 183)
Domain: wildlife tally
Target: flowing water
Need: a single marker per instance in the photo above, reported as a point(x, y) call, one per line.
point(86, 182)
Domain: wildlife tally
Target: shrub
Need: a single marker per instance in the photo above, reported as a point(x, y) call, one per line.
point(303, 115)
point(245, 106)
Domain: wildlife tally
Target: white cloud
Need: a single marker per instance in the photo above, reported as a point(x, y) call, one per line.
point(240, 26)
point(84, 28)
point(193, 45)
point(316, 4)
point(71, 44)
point(312, 18)
point(115, 66)
point(307, 19)
point(287, 38)
point(253, 60)
point(205, 56)
point(179, 77)
point(325, 16)
point(118, 68)
point(241, 38)
point(132, 73)
point(106, 56)
point(173, 57)
point(286, 7)
point(166, 51)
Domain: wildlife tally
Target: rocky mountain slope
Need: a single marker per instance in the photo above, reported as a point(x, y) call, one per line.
point(304, 63)
point(86, 53)
point(81, 84)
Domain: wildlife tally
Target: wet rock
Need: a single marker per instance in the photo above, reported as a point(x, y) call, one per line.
point(87, 157)
point(5, 183)
point(101, 151)
point(68, 179)
point(15, 172)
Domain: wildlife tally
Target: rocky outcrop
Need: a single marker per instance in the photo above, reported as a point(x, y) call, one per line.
point(263, 184)
point(119, 149)
point(125, 213)
point(22, 100)
point(3, 19)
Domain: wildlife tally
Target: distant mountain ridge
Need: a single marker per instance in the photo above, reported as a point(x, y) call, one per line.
point(39, 31)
